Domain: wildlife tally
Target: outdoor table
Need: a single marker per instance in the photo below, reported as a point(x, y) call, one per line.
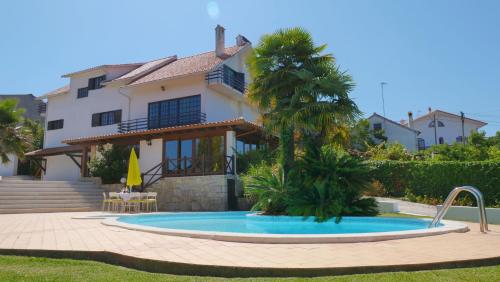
point(125, 196)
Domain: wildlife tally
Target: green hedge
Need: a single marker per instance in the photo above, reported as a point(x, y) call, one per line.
point(436, 179)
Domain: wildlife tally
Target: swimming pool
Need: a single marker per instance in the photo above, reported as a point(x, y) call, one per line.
point(251, 227)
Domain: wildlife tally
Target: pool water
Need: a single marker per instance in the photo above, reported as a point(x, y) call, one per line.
point(247, 222)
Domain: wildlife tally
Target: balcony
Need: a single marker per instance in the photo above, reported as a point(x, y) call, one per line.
point(162, 121)
point(228, 77)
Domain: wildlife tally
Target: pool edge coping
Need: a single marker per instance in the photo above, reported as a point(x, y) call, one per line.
point(448, 227)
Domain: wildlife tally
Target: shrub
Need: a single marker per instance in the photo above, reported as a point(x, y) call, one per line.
point(111, 166)
point(435, 179)
point(266, 186)
point(329, 184)
point(255, 157)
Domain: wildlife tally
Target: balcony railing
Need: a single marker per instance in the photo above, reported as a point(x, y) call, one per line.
point(162, 121)
point(228, 76)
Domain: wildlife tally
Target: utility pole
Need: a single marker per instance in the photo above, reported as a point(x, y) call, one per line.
point(435, 130)
point(462, 117)
point(383, 101)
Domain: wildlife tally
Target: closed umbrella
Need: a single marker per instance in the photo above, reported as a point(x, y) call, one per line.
point(134, 171)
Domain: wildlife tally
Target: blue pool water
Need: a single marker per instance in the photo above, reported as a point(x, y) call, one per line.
point(245, 222)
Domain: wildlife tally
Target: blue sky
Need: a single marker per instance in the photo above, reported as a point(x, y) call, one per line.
point(442, 54)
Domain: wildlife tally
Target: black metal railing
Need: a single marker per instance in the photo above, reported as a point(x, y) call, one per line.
point(188, 167)
point(162, 121)
point(228, 76)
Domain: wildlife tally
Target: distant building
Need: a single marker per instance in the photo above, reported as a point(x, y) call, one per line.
point(448, 130)
point(394, 131)
point(421, 133)
point(35, 110)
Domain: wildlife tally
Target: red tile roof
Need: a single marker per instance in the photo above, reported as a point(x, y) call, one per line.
point(138, 133)
point(188, 65)
point(57, 91)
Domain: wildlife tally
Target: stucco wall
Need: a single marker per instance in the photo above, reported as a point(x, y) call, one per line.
point(396, 133)
point(10, 168)
point(61, 168)
point(451, 130)
point(192, 193)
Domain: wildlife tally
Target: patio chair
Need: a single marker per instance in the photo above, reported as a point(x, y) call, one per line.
point(106, 200)
point(116, 201)
point(133, 203)
point(151, 200)
point(144, 201)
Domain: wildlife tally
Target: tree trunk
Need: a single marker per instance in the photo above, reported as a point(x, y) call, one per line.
point(287, 149)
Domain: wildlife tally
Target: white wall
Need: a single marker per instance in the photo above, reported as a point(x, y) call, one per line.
point(77, 113)
point(10, 168)
point(150, 155)
point(61, 168)
point(451, 130)
point(396, 133)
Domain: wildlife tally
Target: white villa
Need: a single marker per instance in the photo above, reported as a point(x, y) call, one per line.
point(421, 132)
point(186, 117)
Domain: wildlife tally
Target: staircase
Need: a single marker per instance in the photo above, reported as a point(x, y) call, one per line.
point(34, 196)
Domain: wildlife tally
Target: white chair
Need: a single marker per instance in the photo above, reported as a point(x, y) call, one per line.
point(151, 200)
point(106, 200)
point(116, 201)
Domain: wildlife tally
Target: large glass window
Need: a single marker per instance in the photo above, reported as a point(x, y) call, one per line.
point(195, 156)
point(174, 112)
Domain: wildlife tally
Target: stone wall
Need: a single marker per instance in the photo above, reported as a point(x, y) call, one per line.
point(192, 193)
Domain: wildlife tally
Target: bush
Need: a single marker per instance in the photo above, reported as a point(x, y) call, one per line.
point(435, 179)
point(266, 187)
point(255, 157)
point(111, 166)
point(329, 184)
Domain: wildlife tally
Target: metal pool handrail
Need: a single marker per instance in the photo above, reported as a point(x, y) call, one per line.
point(483, 221)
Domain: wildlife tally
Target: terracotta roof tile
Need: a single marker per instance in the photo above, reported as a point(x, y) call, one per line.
point(97, 138)
point(60, 90)
point(188, 65)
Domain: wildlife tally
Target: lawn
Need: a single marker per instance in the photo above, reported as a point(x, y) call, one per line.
point(14, 268)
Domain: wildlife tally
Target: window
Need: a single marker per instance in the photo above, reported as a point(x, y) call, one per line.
point(82, 92)
point(441, 140)
point(459, 139)
point(234, 79)
point(95, 82)
point(421, 143)
point(377, 126)
point(55, 124)
point(106, 118)
point(175, 112)
point(440, 124)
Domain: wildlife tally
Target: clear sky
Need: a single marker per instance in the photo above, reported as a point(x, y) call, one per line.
point(437, 53)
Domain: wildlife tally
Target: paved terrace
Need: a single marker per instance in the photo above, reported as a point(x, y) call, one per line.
point(59, 235)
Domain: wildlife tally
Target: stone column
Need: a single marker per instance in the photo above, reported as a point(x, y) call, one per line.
point(231, 146)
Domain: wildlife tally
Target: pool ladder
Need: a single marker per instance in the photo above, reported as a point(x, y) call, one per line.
point(483, 221)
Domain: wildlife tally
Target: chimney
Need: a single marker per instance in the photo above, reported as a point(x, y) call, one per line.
point(219, 41)
point(430, 110)
point(410, 120)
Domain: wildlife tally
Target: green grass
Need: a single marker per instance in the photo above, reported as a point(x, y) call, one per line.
point(14, 268)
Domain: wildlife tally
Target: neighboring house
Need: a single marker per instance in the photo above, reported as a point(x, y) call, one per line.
point(420, 133)
point(34, 110)
point(450, 128)
point(186, 116)
point(394, 131)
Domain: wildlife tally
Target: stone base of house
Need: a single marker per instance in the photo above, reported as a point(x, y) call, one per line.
point(193, 193)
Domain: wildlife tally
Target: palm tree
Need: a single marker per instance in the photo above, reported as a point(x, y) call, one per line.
point(301, 90)
point(13, 139)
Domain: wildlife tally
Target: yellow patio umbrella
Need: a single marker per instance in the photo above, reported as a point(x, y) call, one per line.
point(134, 171)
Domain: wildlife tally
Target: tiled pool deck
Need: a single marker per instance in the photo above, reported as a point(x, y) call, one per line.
point(47, 233)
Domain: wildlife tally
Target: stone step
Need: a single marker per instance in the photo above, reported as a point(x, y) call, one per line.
point(50, 189)
point(50, 205)
point(75, 200)
point(47, 210)
point(35, 185)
